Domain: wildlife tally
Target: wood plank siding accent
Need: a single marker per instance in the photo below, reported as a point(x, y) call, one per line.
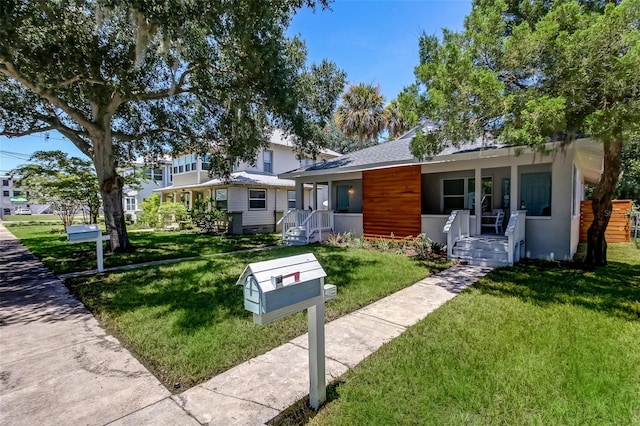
point(391, 202)
point(619, 227)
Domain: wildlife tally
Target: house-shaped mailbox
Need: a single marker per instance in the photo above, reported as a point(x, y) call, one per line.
point(83, 232)
point(276, 288)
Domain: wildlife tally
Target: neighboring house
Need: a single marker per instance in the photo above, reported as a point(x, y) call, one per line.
point(384, 189)
point(153, 179)
point(14, 198)
point(253, 196)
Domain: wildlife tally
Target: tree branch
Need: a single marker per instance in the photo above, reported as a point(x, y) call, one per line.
point(10, 71)
point(26, 132)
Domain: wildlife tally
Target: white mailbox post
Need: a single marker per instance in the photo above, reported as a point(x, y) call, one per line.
point(88, 233)
point(277, 288)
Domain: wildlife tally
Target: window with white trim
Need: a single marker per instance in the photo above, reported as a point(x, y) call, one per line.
point(221, 199)
point(130, 203)
point(206, 162)
point(291, 199)
point(267, 165)
point(306, 162)
point(257, 199)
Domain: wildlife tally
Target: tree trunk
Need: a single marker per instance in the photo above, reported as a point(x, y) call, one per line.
point(601, 203)
point(111, 185)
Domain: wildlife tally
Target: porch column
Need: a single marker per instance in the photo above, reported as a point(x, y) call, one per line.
point(514, 201)
point(315, 196)
point(299, 195)
point(478, 200)
point(211, 202)
point(176, 197)
point(329, 197)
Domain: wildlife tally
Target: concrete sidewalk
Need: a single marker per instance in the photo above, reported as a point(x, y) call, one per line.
point(58, 366)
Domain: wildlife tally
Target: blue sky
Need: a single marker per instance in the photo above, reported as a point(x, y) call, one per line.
point(373, 41)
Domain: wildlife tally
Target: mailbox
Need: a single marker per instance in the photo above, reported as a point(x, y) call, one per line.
point(87, 233)
point(276, 288)
point(83, 232)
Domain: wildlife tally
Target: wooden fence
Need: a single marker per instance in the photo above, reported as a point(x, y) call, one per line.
point(619, 228)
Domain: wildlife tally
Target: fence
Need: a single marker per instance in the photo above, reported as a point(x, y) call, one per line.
point(619, 228)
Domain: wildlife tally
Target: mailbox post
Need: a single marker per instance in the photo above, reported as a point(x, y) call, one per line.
point(88, 233)
point(277, 288)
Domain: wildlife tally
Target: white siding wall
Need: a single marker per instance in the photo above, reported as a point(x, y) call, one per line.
point(348, 222)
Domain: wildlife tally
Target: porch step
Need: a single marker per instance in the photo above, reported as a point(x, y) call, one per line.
point(482, 251)
point(475, 261)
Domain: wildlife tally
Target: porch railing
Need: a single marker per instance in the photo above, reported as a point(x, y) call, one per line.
point(291, 219)
point(318, 220)
point(311, 220)
point(516, 236)
point(456, 228)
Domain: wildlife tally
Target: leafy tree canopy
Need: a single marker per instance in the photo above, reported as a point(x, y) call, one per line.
point(68, 184)
point(531, 71)
point(122, 78)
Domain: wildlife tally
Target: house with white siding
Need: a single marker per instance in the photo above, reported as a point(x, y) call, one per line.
point(153, 178)
point(253, 196)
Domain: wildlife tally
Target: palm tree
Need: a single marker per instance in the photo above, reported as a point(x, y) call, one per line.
point(362, 112)
point(397, 124)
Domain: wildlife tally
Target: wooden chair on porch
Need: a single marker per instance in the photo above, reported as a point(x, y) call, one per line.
point(497, 224)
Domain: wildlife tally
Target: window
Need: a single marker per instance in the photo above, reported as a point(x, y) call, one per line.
point(306, 162)
point(187, 167)
point(193, 159)
point(221, 202)
point(181, 165)
point(257, 199)
point(236, 166)
point(291, 199)
point(16, 192)
point(129, 203)
point(206, 162)
point(460, 194)
point(267, 157)
point(453, 195)
point(5, 182)
point(535, 193)
point(5, 193)
point(176, 162)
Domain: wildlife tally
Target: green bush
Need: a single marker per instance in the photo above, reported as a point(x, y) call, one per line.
point(149, 215)
point(172, 212)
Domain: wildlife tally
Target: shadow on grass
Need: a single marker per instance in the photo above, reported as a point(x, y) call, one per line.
point(614, 289)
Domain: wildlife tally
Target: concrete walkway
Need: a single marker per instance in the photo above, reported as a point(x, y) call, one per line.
point(58, 366)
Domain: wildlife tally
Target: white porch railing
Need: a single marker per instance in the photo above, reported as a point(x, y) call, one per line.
point(311, 220)
point(318, 220)
point(456, 228)
point(516, 234)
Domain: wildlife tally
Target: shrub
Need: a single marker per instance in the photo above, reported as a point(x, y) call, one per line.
point(149, 215)
point(172, 212)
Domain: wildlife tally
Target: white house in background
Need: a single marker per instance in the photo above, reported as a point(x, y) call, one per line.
point(456, 197)
point(154, 178)
point(14, 198)
point(253, 196)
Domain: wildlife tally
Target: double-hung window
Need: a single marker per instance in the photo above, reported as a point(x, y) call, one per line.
point(291, 199)
point(257, 199)
point(267, 165)
point(206, 162)
point(130, 203)
point(453, 194)
point(221, 201)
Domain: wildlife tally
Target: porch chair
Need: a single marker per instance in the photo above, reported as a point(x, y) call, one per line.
point(497, 224)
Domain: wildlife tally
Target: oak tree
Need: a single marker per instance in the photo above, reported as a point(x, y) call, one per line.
point(121, 78)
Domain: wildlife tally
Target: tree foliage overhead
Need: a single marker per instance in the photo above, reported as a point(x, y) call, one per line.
point(122, 78)
point(532, 71)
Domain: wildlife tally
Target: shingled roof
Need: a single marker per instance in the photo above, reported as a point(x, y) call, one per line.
point(392, 153)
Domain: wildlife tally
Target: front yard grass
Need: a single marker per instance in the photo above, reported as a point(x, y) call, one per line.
point(541, 343)
point(49, 243)
point(186, 321)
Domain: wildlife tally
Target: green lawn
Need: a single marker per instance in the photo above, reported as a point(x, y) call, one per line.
point(186, 321)
point(538, 344)
point(49, 243)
